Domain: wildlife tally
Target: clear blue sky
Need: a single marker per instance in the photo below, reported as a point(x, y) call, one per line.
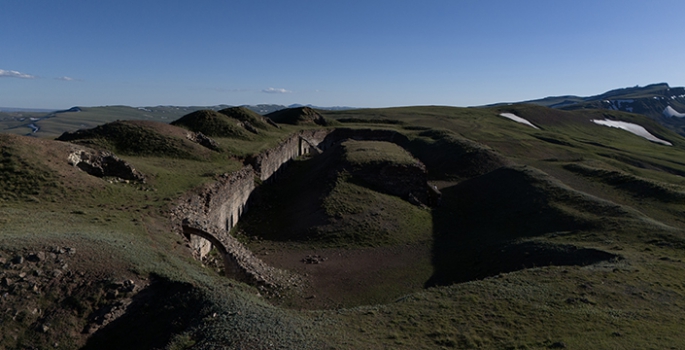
point(58, 54)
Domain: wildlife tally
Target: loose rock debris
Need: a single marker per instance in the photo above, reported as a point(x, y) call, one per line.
point(314, 259)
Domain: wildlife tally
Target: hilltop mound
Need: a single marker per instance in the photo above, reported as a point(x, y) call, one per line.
point(212, 123)
point(298, 116)
point(485, 224)
point(251, 120)
point(446, 155)
point(139, 138)
point(524, 201)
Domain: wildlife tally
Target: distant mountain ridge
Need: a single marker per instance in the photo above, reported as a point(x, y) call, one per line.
point(660, 102)
point(13, 109)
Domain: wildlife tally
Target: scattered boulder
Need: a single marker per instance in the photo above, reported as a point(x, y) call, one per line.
point(37, 257)
point(314, 259)
point(6, 282)
point(128, 286)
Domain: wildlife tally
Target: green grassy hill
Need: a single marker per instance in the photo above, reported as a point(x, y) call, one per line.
point(212, 123)
point(297, 116)
point(570, 235)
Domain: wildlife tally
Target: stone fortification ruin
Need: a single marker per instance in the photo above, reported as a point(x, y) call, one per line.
point(272, 160)
point(206, 216)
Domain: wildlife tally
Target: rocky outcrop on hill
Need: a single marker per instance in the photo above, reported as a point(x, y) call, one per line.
point(104, 164)
point(204, 141)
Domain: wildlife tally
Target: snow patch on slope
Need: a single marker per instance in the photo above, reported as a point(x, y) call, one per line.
point(633, 128)
point(517, 119)
point(671, 112)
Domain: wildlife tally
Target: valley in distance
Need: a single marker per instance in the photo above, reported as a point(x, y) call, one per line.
point(550, 224)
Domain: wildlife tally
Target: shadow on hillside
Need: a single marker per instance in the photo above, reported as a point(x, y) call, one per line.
point(155, 315)
point(481, 227)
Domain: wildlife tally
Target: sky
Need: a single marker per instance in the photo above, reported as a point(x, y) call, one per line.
point(368, 53)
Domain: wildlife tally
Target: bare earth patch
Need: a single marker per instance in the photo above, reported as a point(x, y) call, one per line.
point(350, 277)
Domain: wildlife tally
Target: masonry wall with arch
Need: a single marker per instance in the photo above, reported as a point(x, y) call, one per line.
point(211, 212)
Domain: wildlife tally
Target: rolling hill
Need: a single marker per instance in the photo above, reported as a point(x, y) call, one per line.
point(407, 228)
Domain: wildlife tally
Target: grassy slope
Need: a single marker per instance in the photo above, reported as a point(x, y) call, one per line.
point(637, 301)
point(120, 231)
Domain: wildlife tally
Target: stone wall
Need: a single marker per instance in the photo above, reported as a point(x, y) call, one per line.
point(206, 216)
point(219, 204)
point(269, 162)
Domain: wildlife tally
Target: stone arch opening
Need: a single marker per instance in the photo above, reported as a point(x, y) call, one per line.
point(231, 266)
